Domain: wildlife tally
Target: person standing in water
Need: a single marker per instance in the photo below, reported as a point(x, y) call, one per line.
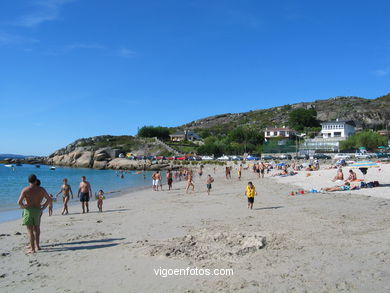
point(66, 191)
point(84, 193)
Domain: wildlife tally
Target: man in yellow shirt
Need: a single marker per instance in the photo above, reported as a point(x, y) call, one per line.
point(250, 192)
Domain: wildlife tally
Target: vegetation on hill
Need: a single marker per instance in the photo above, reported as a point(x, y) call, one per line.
point(300, 118)
point(237, 141)
point(368, 139)
point(366, 113)
point(154, 131)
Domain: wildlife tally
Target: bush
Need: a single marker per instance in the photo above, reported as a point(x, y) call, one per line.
point(368, 139)
point(301, 118)
point(154, 131)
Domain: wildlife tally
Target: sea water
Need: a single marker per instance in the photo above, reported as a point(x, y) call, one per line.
point(14, 179)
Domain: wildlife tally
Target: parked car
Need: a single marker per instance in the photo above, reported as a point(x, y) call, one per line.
point(223, 158)
point(252, 158)
point(171, 158)
point(182, 158)
point(267, 157)
point(285, 157)
point(207, 158)
point(362, 156)
point(321, 156)
point(302, 157)
point(342, 156)
point(236, 158)
point(382, 155)
point(160, 158)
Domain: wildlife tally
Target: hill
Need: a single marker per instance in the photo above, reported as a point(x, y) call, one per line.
point(366, 113)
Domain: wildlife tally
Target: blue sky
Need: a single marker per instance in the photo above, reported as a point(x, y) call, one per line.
point(80, 68)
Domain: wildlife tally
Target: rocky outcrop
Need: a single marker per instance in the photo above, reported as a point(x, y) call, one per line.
point(103, 158)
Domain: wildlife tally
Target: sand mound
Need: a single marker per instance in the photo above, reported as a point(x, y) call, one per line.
point(206, 245)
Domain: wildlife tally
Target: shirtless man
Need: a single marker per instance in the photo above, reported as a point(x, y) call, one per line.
point(189, 181)
point(84, 193)
point(169, 179)
point(66, 191)
point(30, 200)
point(156, 177)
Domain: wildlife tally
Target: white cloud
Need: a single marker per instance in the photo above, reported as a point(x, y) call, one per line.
point(381, 72)
point(11, 40)
point(125, 52)
point(76, 46)
point(43, 11)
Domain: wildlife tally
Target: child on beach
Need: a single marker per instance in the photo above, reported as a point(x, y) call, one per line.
point(209, 180)
point(50, 206)
point(250, 192)
point(100, 197)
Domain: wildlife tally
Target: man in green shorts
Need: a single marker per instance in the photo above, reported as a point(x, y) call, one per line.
point(30, 200)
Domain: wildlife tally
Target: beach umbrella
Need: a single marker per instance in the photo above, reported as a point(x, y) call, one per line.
point(381, 147)
point(363, 166)
point(281, 164)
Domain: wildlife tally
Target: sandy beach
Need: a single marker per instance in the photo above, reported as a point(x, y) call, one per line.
point(324, 242)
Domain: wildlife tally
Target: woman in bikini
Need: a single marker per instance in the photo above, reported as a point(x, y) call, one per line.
point(66, 191)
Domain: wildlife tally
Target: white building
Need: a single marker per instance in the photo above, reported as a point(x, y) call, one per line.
point(332, 133)
point(279, 132)
point(337, 129)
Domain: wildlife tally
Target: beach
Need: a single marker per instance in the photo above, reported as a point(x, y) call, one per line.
point(315, 242)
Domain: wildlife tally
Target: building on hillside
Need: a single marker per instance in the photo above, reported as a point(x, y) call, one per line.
point(384, 132)
point(185, 135)
point(338, 129)
point(279, 132)
point(332, 133)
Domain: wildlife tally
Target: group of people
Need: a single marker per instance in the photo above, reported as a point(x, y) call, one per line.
point(34, 199)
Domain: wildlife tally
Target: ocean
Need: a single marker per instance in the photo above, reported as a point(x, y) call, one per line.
point(13, 180)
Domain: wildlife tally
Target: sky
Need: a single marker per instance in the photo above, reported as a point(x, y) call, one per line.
point(79, 68)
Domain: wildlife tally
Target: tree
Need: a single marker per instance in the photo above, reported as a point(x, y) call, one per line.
point(368, 139)
point(301, 118)
point(154, 131)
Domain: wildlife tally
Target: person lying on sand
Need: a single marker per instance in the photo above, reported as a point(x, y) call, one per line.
point(338, 188)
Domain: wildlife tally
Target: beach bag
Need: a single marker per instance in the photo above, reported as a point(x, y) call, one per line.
point(376, 183)
point(363, 184)
point(370, 184)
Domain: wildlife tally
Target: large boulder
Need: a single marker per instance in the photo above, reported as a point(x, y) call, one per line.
point(84, 160)
point(100, 164)
point(122, 163)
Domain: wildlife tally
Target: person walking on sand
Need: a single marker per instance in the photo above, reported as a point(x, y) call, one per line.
point(84, 193)
point(100, 197)
point(30, 200)
point(189, 181)
point(209, 181)
point(227, 173)
point(239, 172)
point(169, 179)
point(66, 191)
point(250, 192)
